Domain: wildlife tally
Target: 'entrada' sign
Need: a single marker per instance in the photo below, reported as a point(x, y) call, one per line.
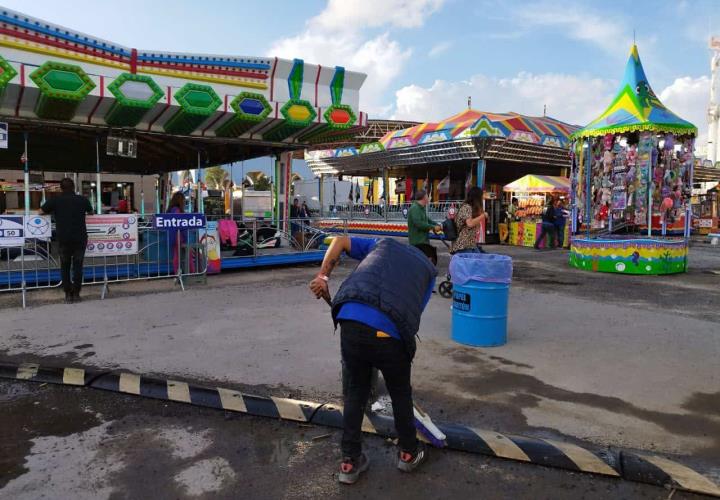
point(179, 221)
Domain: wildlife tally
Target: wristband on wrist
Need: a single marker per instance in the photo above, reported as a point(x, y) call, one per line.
point(323, 277)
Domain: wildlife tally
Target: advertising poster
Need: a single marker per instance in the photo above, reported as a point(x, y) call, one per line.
point(211, 238)
point(110, 235)
point(15, 229)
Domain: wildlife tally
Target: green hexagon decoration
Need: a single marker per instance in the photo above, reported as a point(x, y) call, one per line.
point(340, 116)
point(197, 104)
point(7, 73)
point(250, 109)
point(298, 114)
point(134, 95)
point(62, 88)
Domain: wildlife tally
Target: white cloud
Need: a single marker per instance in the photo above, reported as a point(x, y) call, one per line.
point(688, 98)
point(605, 28)
point(337, 36)
point(344, 14)
point(440, 48)
point(571, 98)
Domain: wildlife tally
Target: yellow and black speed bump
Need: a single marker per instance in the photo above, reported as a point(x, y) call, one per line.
point(633, 466)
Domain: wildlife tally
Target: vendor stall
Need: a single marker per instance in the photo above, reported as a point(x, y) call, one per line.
point(527, 197)
point(632, 179)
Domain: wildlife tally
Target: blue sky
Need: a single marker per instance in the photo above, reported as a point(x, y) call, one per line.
point(425, 57)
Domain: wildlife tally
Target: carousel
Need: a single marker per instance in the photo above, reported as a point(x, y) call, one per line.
point(631, 183)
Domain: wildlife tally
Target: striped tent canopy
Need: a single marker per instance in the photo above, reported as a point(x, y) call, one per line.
point(539, 184)
point(636, 108)
point(473, 123)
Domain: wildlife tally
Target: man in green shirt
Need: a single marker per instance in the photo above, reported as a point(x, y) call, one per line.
point(419, 225)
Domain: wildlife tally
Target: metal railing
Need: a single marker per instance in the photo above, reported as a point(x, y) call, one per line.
point(36, 264)
point(437, 211)
point(255, 237)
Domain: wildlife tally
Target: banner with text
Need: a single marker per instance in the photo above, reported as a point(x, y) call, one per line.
point(15, 229)
point(179, 221)
point(110, 235)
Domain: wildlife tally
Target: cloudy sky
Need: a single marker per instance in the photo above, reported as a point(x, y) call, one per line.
point(425, 57)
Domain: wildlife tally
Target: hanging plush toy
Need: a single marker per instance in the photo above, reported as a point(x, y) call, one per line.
point(608, 158)
point(658, 174)
point(669, 142)
point(608, 141)
point(632, 156)
point(630, 177)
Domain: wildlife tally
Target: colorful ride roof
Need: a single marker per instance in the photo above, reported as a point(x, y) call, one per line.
point(539, 184)
point(473, 123)
point(636, 108)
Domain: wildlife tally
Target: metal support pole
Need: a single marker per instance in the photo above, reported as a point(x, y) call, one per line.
point(231, 187)
point(200, 201)
point(142, 196)
point(321, 192)
point(26, 182)
point(98, 188)
point(78, 190)
point(588, 187)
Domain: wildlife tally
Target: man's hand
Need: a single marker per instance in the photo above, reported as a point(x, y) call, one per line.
point(319, 288)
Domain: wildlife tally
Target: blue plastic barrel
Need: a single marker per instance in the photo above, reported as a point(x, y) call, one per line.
point(481, 289)
point(480, 311)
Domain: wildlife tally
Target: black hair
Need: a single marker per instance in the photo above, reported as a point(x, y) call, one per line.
point(474, 198)
point(67, 185)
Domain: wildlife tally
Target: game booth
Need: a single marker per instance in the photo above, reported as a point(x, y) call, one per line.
point(532, 194)
point(632, 180)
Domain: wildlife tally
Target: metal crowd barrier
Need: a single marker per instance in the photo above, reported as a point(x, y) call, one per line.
point(437, 211)
point(257, 237)
point(36, 264)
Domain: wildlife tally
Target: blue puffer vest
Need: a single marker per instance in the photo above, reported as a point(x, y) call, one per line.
point(394, 279)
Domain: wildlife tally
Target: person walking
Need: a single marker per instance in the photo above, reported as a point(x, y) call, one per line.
point(176, 237)
point(468, 221)
point(548, 226)
point(378, 308)
point(560, 220)
point(419, 225)
point(69, 210)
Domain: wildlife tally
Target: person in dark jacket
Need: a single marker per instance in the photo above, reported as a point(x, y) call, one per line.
point(548, 226)
point(69, 210)
point(378, 308)
point(560, 219)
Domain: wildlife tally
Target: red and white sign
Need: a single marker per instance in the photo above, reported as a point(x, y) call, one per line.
point(110, 235)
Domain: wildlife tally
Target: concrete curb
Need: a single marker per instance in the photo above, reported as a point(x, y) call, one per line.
point(631, 466)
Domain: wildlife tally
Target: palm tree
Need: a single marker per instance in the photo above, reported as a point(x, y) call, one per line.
point(215, 177)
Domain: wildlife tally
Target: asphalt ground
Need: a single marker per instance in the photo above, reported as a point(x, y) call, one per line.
point(601, 359)
point(62, 443)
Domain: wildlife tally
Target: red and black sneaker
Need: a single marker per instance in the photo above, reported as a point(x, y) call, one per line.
point(351, 468)
point(408, 462)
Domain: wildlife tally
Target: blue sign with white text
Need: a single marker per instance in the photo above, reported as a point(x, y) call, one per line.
point(179, 221)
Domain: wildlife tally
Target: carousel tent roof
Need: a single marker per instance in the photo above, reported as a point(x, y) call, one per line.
point(636, 108)
point(539, 184)
point(468, 135)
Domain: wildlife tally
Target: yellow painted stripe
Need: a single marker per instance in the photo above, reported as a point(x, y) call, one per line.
point(684, 476)
point(289, 409)
point(195, 76)
point(27, 371)
point(74, 376)
point(368, 426)
point(130, 383)
point(231, 400)
point(178, 391)
point(501, 445)
point(584, 459)
point(66, 54)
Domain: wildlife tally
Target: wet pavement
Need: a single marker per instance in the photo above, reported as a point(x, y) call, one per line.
point(61, 443)
point(595, 359)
